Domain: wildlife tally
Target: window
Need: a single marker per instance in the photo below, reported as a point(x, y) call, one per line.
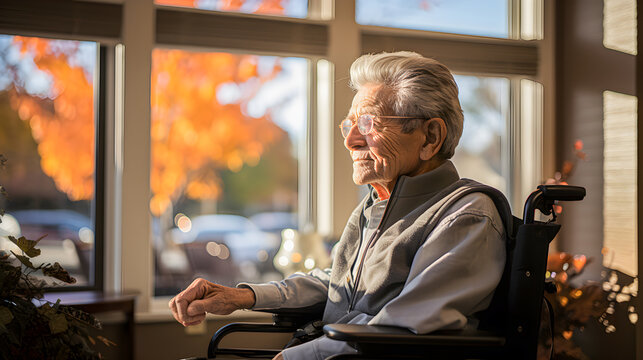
point(290, 8)
point(481, 154)
point(470, 17)
point(47, 132)
point(228, 134)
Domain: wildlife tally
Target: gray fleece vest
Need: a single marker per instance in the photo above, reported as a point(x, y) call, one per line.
point(411, 214)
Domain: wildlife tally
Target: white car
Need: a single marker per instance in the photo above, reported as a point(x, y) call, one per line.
point(243, 238)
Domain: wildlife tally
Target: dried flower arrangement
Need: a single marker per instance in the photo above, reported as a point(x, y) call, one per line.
point(574, 307)
point(560, 177)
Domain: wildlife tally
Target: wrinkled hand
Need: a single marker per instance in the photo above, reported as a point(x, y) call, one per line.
point(190, 306)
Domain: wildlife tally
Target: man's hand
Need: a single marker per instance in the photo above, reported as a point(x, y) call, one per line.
point(189, 306)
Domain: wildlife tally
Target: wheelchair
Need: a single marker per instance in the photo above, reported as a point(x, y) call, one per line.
point(508, 329)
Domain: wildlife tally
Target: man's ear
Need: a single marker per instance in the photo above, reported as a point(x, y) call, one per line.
point(435, 130)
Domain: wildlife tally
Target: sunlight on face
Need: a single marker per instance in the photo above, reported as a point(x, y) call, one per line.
point(384, 154)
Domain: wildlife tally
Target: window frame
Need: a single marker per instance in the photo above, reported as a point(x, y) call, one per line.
point(97, 214)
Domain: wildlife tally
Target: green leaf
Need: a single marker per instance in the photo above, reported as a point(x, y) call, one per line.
point(57, 323)
point(5, 315)
point(47, 311)
point(27, 246)
point(24, 260)
point(58, 272)
point(57, 320)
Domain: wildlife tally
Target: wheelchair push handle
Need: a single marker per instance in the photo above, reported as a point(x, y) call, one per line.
point(543, 199)
point(562, 192)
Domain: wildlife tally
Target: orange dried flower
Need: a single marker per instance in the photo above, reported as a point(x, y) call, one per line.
point(578, 145)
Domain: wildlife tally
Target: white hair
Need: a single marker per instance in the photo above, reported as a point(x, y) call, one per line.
point(421, 86)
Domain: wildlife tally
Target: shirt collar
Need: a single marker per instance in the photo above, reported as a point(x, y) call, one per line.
point(428, 183)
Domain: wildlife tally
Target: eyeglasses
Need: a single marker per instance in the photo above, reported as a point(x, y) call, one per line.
point(365, 123)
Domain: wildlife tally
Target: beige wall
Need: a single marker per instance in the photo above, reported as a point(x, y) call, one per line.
point(169, 340)
point(585, 69)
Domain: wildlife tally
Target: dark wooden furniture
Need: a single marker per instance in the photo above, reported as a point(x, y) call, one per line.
point(96, 302)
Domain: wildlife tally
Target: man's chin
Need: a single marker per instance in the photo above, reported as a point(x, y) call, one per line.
point(358, 181)
point(362, 180)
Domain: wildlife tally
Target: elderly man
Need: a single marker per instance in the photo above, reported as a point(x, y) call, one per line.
point(424, 250)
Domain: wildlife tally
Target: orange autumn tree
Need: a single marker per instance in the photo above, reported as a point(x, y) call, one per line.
point(62, 121)
point(193, 135)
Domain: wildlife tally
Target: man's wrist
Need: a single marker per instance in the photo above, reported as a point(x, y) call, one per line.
point(246, 298)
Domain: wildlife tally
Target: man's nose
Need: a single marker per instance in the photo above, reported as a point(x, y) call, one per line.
point(354, 140)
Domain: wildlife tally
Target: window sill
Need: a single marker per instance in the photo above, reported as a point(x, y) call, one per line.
point(160, 312)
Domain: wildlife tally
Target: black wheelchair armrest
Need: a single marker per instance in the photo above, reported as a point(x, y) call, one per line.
point(376, 341)
point(390, 334)
point(214, 349)
point(285, 320)
point(296, 316)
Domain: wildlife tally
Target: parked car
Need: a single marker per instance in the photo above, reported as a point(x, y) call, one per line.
point(275, 221)
point(69, 238)
point(226, 248)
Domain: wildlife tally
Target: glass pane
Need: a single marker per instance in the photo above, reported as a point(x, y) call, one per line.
point(290, 8)
point(47, 135)
point(471, 17)
point(479, 156)
point(227, 131)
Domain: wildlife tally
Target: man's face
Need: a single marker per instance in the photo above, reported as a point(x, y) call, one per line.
point(384, 154)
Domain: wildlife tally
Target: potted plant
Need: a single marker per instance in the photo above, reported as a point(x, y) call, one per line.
point(30, 327)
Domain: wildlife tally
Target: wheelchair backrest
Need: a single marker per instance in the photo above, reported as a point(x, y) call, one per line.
point(515, 309)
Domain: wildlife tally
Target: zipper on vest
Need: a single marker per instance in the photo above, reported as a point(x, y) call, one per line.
point(370, 243)
point(350, 270)
point(359, 269)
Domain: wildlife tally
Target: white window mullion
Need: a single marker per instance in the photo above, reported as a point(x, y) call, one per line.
point(344, 46)
point(321, 9)
point(324, 151)
point(531, 20)
point(113, 167)
point(512, 148)
point(136, 257)
point(515, 19)
point(531, 135)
